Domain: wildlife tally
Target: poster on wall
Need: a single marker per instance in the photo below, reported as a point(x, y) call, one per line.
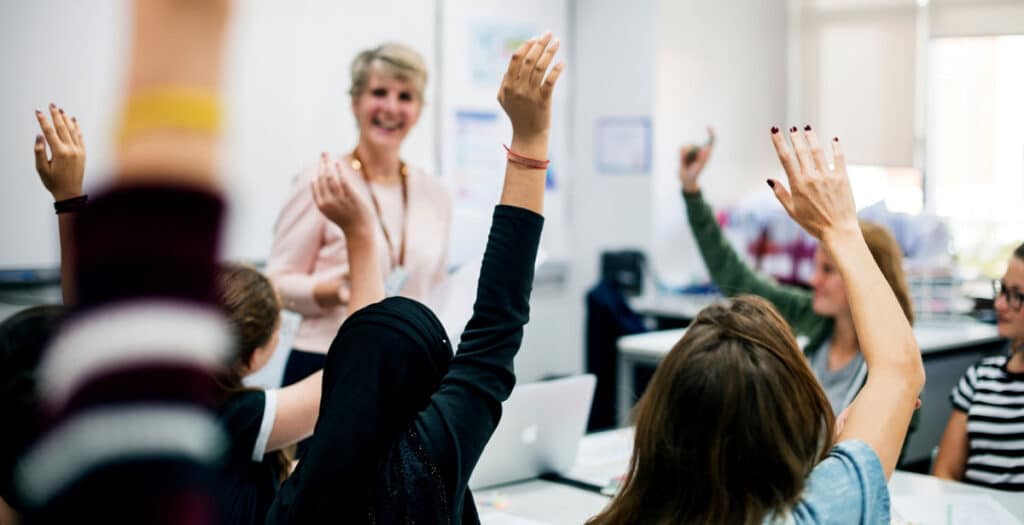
point(492, 46)
point(622, 145)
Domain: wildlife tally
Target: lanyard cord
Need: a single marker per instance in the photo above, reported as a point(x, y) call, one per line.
point(357, 164)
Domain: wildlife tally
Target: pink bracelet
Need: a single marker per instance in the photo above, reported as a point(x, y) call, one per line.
point(526, 161)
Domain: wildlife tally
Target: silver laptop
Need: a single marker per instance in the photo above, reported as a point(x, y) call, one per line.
point(539, 432)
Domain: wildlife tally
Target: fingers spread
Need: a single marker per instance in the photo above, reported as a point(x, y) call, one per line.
point(516, 63)
point(549, 82)
point(785, 157)
point(803, 152)
point(58, 124)
point(532, 56)
point(817, 153)
point(537, 76)
point(838, 157)
point(48, 131)
point(76, 133)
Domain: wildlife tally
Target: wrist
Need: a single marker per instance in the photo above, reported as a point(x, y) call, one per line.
point(842, 237)
point(533, 145)
point(358, 233)
point(65, 194)
point(691, 188)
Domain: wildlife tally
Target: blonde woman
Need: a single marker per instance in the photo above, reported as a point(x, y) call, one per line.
point(411, 209)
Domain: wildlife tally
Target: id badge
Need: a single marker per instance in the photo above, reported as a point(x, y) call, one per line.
point(395, 280)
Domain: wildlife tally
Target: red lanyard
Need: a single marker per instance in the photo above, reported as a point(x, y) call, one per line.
point(358, 165)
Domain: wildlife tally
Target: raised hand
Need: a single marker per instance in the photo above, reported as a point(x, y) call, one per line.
point(526, 89)
point(339, 201)
point(63, 171)
point(821, 200)
point(692, 159)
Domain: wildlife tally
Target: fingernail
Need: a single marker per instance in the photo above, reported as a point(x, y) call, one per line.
point(61, 110)
point(792, 129)
point(775, 129)
point(771, 184)
point(39, 138)
point(835, 139)
point(39, 111)
point(52, 105)
point(807, 127)
point(74, 119)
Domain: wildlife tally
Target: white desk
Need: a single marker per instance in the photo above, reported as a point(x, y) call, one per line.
point(948, 349)
point(605, 455)
point(537, 501)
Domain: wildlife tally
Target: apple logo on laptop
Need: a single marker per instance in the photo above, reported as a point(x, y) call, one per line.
point(530, 435)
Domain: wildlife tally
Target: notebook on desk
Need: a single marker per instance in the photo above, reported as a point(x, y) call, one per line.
point(539, 433)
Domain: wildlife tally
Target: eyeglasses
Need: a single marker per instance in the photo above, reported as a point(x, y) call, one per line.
point(1014, 298)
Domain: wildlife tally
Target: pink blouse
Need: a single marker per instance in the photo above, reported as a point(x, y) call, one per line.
point(308, 248)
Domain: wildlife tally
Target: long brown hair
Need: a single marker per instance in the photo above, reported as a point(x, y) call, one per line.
point(730, 426)
point(889, 257)
point(253, 310)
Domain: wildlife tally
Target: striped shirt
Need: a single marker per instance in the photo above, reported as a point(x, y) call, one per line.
point(993, 399)
point(127, 384)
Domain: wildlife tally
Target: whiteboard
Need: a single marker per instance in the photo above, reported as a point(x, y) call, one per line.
point(285, 96)
point(476, 40)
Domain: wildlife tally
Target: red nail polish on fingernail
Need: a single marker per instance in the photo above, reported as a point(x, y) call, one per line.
point(792, 129)
point(39, 138)
point(775, 129)
point(835, 139)
point(74, 119)
point(61, 110)
point(771, 184)
point(807, 127)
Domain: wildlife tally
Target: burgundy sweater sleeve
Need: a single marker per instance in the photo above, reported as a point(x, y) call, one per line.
point(127, 383)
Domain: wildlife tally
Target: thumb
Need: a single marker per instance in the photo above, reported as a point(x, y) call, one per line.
point(782, 194)
point(40, 152)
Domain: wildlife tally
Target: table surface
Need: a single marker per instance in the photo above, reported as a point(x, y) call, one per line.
point(933, 337)
point(605, 455)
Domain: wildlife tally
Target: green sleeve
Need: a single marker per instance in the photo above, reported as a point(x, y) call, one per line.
point(732, 275)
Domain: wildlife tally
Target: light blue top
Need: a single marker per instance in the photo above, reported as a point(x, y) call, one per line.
point(848, 487)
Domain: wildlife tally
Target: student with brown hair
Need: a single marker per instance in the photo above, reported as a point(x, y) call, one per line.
point(261, 423)
point(983, 442)
point(734, 428)
point(822, 315)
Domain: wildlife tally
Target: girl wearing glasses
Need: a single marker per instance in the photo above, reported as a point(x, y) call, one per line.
point(983, 441)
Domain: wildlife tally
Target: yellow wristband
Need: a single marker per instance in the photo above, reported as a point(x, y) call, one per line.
point(188, 109)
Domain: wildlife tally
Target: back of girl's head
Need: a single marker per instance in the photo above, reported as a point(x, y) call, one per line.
point(888, 255)
point(23, 337)
point(252, 307)
point(729, 427)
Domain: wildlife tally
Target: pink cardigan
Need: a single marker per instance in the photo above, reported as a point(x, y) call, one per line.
point(309, 249)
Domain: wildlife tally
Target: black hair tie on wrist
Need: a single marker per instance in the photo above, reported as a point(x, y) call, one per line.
point(70, 205)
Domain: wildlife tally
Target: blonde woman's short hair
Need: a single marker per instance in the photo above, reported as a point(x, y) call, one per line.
point(392, 59)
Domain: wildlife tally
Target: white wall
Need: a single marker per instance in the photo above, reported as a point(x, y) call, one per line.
point(285, 98)
point(685, 64)
point(721, 63)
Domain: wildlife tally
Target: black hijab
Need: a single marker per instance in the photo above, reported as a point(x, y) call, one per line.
point(366, 463)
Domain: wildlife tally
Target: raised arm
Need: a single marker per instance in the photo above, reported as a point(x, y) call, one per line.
point(728, 270)
point(133, 437)
point(462, 415)
point(822, 202)
point(342, 205)
point(62, 175)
